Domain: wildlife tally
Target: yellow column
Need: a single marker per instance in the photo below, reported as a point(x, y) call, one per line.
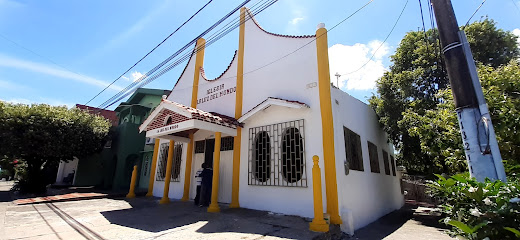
point(167, 177)
point(331, 187)
point(199, 61)
point(238, 112)
point(213, 207)
point(131, 193)
point(187, 173)
point(154, 165)
point(318, 224)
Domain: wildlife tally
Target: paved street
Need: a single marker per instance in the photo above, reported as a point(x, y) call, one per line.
point(144, 218)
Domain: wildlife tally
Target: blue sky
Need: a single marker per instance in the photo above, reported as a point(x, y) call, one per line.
point(77, 47)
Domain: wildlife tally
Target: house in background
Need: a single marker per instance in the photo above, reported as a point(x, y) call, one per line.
point(112, 167)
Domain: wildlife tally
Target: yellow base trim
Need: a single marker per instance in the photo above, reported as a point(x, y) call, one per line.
point(130, 195)
point(234, 205)
point(213, 208)
point(319, 227)
point(164, 201)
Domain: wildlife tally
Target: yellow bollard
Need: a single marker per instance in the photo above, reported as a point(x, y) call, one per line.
point(213, 206)
point(131, 193)
point(167, 177)
point(318, 224)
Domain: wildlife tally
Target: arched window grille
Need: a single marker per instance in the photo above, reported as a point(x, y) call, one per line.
point(284, 163)
point(262, 157)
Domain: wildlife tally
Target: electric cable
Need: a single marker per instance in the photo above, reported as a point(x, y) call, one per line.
point(125, 92)
point(387, 36)
point(467, 23)
point(270, 63)
point(424, 27)
point(172, 56)
point(153, 49)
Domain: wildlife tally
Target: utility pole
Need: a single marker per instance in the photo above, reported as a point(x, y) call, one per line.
point(478, 135)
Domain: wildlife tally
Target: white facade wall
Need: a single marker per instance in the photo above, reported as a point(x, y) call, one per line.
point(365, 195)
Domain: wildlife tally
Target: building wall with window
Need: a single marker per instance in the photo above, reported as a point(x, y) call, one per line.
point(266, 183)
point(364, 196)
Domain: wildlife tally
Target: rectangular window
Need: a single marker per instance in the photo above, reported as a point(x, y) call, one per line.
point(374, 158)
point(277, 155)
point(199, 146)
point(392, 162)
point(161, 161)
point(353, 149)
point(386, 163)
point(226, 144)
point(176, 162)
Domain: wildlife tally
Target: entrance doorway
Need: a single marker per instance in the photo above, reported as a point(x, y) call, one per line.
point(208, 152)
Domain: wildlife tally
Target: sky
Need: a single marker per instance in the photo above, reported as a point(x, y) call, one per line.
point(65, 52)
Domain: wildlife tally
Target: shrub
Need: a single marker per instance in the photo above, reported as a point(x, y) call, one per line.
point(479, 210)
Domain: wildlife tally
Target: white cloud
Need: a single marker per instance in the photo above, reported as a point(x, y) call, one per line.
point(136, 75)
point(346, 60)
point(517, 33)
point(6, 61)
point(295, 20)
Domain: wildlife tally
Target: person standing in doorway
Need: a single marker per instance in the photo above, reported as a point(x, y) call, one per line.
point(207, 180)
point(198, 178)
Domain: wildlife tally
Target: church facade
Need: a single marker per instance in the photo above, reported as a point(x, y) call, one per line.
point(260, 123)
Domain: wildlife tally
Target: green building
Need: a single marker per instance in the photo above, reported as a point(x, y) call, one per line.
point(112, 168)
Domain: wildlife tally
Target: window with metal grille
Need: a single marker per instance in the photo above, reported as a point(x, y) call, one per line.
point(199, 146)
point(262, 157)
point(163, 157)
point(353, 150)
point(176, 162)
point(374, 158)
point(392, 162)
point(386, 163)
point(146, 163)
point(277, 155)
point(226, 144)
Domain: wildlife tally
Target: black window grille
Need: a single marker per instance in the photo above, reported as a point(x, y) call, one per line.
point(374, 158)
point(176, 162)
point(353, 150)
point(226, 144)
point(146, 163)
point(199, 146)
point(277, 155)
point(386, 163)
point(262, 157)
point(392, 162)
point(162, 158)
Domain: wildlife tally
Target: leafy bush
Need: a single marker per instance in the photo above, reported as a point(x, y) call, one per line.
point(479, 210)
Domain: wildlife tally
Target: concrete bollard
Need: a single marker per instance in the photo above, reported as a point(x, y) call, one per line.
point(131, 193)
point(318, 224)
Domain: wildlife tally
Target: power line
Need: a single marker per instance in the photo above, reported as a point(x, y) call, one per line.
point(387, 36)
point(424, 27)
point(127, 91)
point(517, 8)
point(270, 63)
point(475, 13)
point(186, 56)
point(153, 49)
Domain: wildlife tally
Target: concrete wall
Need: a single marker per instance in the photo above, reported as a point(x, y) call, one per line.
point(364, 195)
point(65, 168)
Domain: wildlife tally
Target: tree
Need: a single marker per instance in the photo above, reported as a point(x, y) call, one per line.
point(414, 89)
point(41, 136)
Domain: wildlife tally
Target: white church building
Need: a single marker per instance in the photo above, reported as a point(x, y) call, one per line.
point(260, 123)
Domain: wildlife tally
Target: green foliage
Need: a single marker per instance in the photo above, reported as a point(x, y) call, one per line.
point(415, 106)
point(41, 135)
point(478, 210)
